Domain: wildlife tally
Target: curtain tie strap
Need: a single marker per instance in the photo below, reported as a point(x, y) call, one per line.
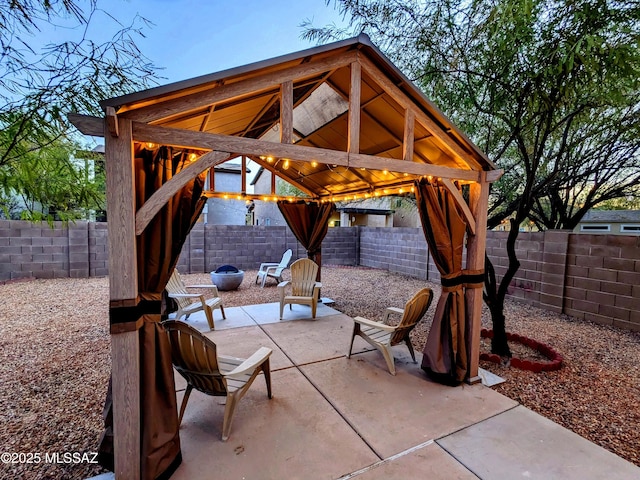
point(127, 318)
point(464, 278)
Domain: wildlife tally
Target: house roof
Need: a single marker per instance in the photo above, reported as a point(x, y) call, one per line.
point(617, 216)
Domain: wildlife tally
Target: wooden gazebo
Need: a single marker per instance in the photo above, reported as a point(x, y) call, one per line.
point(338, 122)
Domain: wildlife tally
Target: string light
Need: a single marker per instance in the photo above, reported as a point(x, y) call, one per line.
point(314, 164)
point(285, 165)
point(151, 145)
point(270, 159)
point(192, 157)
point(385, 172)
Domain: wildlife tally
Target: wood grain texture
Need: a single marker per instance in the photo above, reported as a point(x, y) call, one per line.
point(161, 196)
point(353, 144)
point(286, 112)
point(248, 146)
point(221, 93)
point(126, 404)
point(476, 245)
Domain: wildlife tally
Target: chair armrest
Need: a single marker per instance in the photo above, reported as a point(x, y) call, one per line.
point(205, 287)
point(371, 323)
point(391, 310)
point(284, 284)
point(251, 363)
point(267, 264)
point(185, 295)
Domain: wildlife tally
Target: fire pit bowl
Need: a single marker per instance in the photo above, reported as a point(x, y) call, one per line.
point(227, 277)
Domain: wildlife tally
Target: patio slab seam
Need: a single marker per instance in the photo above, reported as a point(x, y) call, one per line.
point(322, 394)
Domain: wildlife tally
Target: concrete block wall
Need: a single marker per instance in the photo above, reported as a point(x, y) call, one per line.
point(30, 250)
point(591, 277)
point(211, 246)
point(603, 279)
point(398, 250)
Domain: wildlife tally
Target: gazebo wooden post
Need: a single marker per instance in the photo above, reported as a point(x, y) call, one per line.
point(123, 292)
point(478, 203)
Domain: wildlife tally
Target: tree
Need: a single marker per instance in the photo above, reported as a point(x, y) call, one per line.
point(39, 85)
point(538, 85)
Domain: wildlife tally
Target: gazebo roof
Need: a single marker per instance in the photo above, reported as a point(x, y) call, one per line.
point(308, 99)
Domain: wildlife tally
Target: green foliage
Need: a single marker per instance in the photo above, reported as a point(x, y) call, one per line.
point(51, 183)
point(549, 90)
point(41, 84)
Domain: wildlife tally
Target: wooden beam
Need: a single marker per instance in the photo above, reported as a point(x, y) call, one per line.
point(243, 174)
point(221, 93)
point(494, 175)
point(409, 134)
point(249, 146)
point(471, 222)
point(355, 91)
point(273, 181)
point(87, 125)
point(123, 286)
point(286, 112)
point(476, 245)
point(274, 173)
point(161, 196)
point(444, 140)
point(112, 121)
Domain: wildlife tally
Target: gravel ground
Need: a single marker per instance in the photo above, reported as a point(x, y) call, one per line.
point(54, 363)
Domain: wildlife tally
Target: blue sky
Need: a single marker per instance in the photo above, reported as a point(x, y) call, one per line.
point(191, 37)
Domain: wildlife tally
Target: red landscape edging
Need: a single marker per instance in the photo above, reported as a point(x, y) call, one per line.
point(555, 359)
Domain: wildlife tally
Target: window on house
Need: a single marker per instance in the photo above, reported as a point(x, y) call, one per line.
point(595, 227)
point(630, 228)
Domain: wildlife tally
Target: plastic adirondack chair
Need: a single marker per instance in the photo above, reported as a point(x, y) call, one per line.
point(383, 337)
point(274, 270)
point(195, 357)
point(189, 303)
point(304, 288)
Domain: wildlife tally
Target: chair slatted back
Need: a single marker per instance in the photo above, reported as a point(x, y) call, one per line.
point(176, 285)
point(303, 277)
point(414, 310)
point(195, 357)
point(286, 258)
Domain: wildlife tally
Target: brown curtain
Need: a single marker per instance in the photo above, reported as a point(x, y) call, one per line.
point(158, 248)
point(309, 222)
point(445, 353)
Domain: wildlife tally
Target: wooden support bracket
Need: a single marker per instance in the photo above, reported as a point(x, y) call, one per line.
point(112, 122)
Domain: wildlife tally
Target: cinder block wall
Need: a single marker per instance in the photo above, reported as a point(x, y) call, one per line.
point(211, 246)
point(603, 279)
point(399, 250)
point(592, 277)
point(36, 250)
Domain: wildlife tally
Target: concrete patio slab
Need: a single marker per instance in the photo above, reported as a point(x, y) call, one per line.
point(394, 413)
point(270, 312)
point(236, 317)
point(295, 435)
point(339, 418)
point(429, 461)
point(307, 341)
point(243, 342)
point(520, 443)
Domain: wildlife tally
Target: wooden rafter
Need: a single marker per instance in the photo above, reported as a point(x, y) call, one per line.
point(443, 140)
point(238, 89)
